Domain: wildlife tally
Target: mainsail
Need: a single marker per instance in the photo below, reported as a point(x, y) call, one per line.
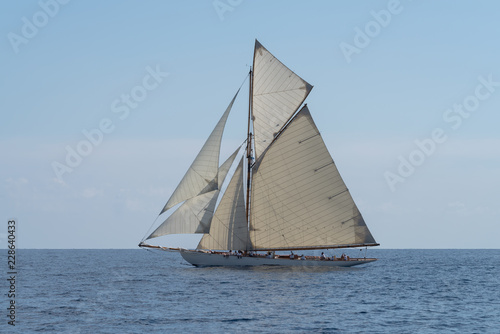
point(299, 200)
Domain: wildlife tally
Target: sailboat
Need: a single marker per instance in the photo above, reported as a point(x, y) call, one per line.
point(285, 193)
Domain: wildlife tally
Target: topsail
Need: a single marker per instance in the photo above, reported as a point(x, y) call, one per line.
point(277, 95)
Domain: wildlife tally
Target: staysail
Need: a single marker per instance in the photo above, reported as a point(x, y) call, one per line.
point(201, 177)
point(277, 95)
point(299, 200)
point(195, 214)
point(229, 228)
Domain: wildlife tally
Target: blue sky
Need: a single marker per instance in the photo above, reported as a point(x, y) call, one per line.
point(411, 117)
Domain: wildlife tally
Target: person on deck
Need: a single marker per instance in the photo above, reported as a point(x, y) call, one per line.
point(292, 256)
point(322, 257)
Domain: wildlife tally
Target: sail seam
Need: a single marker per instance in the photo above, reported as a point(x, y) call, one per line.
point(234, 235)
point(215, 240)
point(281, 91)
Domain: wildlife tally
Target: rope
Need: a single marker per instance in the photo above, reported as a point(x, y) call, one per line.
point(149, 250)
point(147, 232)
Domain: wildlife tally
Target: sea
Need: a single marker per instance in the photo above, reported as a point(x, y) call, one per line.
point(143, 291)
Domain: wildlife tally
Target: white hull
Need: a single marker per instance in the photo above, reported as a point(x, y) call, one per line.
point(202, 259)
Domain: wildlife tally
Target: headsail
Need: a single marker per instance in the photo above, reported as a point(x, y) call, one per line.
point(229, 228)
point(201, 177)
point(195, 214)
point(277, 94)
point(299, 200)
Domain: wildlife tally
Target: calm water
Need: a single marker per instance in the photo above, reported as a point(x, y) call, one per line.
point(138, 291)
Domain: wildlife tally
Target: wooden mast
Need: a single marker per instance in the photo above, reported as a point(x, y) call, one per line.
point(249, 145)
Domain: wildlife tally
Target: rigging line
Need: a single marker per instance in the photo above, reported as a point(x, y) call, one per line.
point(149, 250)
point(247, 76)
point(147, 233)
point(279, 216)
point(279, 91)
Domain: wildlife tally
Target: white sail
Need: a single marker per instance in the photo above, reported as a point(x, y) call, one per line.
point(201, 177)
point(229, 228)
point(195, 214)
point(298, 198)
point(224, 168)
point(277, 94)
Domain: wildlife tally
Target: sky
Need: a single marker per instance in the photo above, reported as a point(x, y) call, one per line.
point(105, 105)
